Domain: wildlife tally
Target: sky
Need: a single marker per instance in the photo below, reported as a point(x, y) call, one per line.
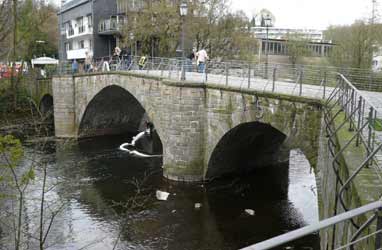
point(316, 14)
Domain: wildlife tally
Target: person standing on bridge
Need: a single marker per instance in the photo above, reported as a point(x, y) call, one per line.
point(201, 58)
point(74, 67)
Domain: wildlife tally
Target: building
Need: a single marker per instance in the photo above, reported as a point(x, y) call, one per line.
point(88, 26)
point(283, 33)
point(273, 41)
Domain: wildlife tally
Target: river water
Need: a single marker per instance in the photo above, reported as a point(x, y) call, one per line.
point(107, 200)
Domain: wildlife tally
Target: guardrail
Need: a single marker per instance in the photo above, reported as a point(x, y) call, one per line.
point(376, 207)
point(324, 76)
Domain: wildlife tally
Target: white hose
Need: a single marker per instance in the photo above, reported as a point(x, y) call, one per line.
point(132, 144)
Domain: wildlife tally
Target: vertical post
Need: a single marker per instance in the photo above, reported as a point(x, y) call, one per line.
point(249, 76)
point(325, 79)
point(266, 55)
point(359, 121)
point(370, 118)
point(301, 76)
point(378, 237)
point(226, 73)
point(183, 75)
point(273, 79)
point(352, 104)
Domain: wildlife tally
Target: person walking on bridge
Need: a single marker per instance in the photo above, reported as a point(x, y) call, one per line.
point(201, 58)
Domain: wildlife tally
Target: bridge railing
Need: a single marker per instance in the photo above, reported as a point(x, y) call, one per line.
point(302, 80)
point(359, 237)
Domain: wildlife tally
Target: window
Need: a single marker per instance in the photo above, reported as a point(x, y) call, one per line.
point(91, 44)
point(90, 20)
point(68, 46)
point(80, 24)
point(82, 44)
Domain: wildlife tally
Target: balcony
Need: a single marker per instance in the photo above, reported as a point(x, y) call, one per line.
point(80, 31)
point(77, 53)
point(111, 26)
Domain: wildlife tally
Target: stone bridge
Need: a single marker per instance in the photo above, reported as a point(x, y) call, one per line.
point(198, 124)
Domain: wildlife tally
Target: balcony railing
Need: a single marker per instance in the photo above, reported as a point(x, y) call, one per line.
point(111, 25)
point(81, 29)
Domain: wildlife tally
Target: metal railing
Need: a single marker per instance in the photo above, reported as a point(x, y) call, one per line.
point(375, 207)
point(281, 78)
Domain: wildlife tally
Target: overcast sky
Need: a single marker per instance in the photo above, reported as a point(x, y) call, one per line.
point(317, 14)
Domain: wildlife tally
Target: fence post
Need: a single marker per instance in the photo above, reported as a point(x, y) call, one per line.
point(370, 125)
point(359, 121)
point(301, 76)
point(352, 104)
point(226, 73)
point(325, 79)
point(378, 237)
point(273, 79)
point(249, 75)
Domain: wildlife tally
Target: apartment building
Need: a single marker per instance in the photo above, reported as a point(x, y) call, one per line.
point(87, 26)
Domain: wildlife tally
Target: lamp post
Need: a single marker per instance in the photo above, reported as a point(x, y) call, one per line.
point(267, 22)
point(183, 12)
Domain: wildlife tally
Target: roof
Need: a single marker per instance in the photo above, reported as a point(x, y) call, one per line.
point(44, 60)
point(71, 4)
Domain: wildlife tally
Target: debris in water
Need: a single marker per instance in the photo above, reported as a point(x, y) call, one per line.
point(173, 211)
point(198, 205)
point(162, 196)
point(250, 212)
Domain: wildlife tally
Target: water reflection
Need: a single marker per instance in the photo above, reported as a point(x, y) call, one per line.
point(96, 180)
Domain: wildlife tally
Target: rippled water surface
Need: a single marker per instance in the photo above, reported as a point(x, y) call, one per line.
point(108, 200)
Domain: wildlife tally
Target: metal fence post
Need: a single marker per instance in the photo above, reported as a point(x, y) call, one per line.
point(273, 79)
point(359, 121)
point(301, 76)
point(249, 76)
point(352, 104)
point(226, 73)
point(378, 237)
point(370, 118)
point(325, 79)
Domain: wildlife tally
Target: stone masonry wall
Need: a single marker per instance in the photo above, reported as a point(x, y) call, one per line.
point(190, 118)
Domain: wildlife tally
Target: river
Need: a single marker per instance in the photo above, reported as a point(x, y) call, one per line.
point(108, 201)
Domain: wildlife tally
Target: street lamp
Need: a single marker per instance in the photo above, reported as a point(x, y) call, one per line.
point(183, 13)
point(267, 22)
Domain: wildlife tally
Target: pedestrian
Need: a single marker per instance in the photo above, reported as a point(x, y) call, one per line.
point(74, 66)
point(142, 62)
point(202, 57)
point(88, 61)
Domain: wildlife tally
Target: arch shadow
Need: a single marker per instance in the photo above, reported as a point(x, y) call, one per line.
point(244, 148)
point(46, 106)
point(115, 111)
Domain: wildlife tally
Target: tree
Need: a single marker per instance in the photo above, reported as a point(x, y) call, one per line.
point(297, 47)
point(208, 25)
point(354, 44)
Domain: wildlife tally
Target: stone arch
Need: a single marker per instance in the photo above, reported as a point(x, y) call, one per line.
point(246, 146)
point(112, 110)
point(46, 105)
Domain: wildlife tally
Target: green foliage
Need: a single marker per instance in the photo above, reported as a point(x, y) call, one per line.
point(297, 48)
point(10, 150)
point(156, 29)
point(354, 44)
